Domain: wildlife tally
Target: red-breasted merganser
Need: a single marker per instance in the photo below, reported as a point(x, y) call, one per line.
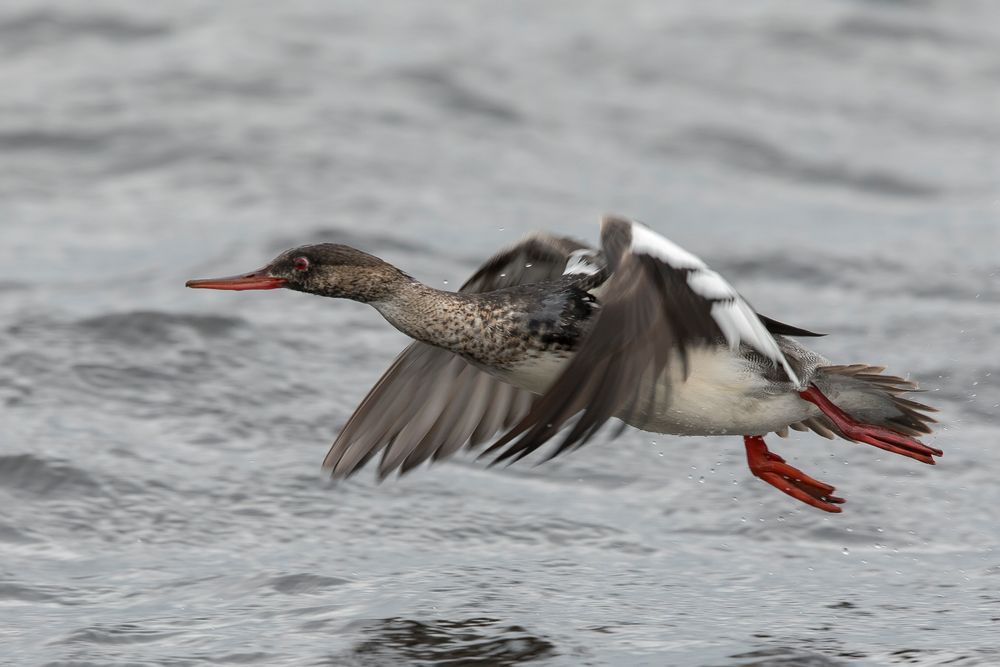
point(551, 335)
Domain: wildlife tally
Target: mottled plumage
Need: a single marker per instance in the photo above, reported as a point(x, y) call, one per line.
point(553, 337)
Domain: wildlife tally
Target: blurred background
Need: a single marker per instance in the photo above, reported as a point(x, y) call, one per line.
point(161, 496)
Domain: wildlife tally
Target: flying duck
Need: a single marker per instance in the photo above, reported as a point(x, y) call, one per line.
point(550, 339)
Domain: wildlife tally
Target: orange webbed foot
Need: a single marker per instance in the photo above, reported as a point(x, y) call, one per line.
point(772, 469)
point(877, 436)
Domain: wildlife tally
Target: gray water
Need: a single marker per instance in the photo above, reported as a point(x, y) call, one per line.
point(161, 496)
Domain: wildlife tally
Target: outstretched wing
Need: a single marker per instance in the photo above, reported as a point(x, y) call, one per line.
point(659, 302)
point(431, 402)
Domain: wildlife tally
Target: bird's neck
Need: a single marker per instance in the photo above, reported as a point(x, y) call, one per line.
point(448, 320)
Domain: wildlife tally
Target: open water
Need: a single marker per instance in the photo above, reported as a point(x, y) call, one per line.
point(161, 501)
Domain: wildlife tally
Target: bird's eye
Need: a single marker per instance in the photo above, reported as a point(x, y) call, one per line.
point(300, 264)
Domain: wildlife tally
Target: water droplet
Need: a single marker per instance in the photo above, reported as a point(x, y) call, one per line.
point(445, 282)
point(846, 551)
point(528, 266)
point(501, 228)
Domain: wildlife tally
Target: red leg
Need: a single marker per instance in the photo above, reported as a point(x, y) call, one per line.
point(771, 468)
point(879, 436)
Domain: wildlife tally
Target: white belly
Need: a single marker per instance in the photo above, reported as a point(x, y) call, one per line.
point(721, 395)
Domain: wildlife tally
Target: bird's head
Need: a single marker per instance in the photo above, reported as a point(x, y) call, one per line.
point(326, 269)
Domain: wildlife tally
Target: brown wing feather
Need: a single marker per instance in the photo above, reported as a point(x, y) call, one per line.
point(430, 403)
point(537, 258)
point(648, 319)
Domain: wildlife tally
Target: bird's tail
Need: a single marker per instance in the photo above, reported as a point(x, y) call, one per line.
point(867, 395)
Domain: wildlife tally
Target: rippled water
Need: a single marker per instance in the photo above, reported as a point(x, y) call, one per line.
point(160, 448)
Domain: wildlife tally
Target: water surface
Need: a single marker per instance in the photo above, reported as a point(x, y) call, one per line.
point(159, 457)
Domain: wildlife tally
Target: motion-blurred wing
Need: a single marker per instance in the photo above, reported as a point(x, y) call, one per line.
point(431, 402)
point(659, 302)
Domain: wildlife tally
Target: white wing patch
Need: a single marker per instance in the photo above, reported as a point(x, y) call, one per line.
point(647, 242)
point(736, 319)
point(709, 284)
point(582, 261)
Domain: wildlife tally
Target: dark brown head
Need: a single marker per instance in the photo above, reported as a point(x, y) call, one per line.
point(327, 269)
